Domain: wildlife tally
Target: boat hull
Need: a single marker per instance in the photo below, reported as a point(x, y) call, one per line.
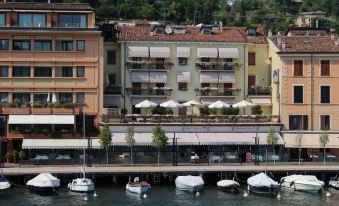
point(264, 191)
point(334, 184)
point(189, 188)
point(81, 188)
point(42, 190)
point(230, 189)
point(303, 187)
point(138, 189)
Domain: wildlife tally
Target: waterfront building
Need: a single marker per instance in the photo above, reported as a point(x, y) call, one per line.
point(305, 69)
point(51, 71)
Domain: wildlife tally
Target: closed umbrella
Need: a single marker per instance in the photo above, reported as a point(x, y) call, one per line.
point(191, 103)
point(54, 98)
point(170, 104)
point(48, 97)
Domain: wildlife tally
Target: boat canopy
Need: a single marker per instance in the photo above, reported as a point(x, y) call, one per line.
point(261, 180)
point(44, 180)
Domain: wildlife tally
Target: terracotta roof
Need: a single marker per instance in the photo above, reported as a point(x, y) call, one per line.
point(192, 34)
point(47, 6)
point(307, 44)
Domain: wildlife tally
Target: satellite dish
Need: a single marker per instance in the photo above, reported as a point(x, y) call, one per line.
point(230, 2)
point(168, 30)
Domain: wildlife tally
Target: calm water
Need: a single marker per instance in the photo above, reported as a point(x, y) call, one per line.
point(165, 196)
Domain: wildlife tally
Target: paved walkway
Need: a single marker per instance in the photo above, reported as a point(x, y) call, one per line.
point(172, 169)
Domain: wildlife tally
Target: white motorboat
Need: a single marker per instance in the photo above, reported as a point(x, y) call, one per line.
point(334, 183)
point(189, 183)
point(4, 184)
point(138, 187)
point(44, 182)
point(230, 186)
point(261, 184)
point(305, 183)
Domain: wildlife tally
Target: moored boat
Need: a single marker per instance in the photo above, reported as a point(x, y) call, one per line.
point(334, 183)
point(303, 183)
point(189, 183)
point(229, 186)
point(263, 185)
point(4, 184)
point(43, 183)
point(81, 185)
point(138, 187)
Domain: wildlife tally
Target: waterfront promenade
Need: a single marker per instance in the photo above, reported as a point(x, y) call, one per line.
point(171, 169)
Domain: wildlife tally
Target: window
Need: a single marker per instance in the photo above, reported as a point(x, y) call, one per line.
point(160, 63)
point(182, 110)
point(64, 45)
point(66, 97)
point(73, 20)
point(4, 44)
point(80, 45)
point(325, 94)
point(22, 98)
point(298, 94)
point(206, 31)
point(21, 45)
point(325, 68)
point(298, 122)
point(3, 97)
point(112, 79)
point(3, 71)
point(110, 57)
point(21, 72)
point(182, 61)
point(298, 68)
point(182, 86)
point(251, 58)
point(42, 72)
point(32, 20)
point(2, 19)
point(40, 98)
point(80, 97)
point(80, 71)
point(325, 122)
point(43, 45)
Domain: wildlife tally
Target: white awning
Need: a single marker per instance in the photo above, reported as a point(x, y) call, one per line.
point(59, 143)
point(158, 100)
point(228, 52)
point(234, 138)
point(310, 140)
point(138, 52)
point(183, 52)
point(158, 77)
point(183, 76)
point(41, 119)
point(207, 52)
point(209, 77)
point(140, 76)
point(261, 101)
point(226, 77)
point(160, 52)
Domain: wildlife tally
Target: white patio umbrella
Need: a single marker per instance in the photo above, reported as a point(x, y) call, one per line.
point(48, 97)
point(191, 103)
point(54, 98)
point(218, 105)
point(170, 104)
point(146, 104)
point(243, 104)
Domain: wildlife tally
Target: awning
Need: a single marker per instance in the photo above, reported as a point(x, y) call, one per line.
point(207, 52)
point(183, 52)
point(59, 143)
point(138, 52)
point(160, 52)
point(140, 76)
point(41, 119)
point(234, 138)
point(261, 101)
point(158, 77)
point(228, 52)
point(310, 140)
point(209, 77)
point(183, 76)
point(226, 77)
point(210, 100)
point(158, 100)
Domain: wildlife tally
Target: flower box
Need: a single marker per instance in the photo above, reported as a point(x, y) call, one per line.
point(41, 111)
point(7, 110)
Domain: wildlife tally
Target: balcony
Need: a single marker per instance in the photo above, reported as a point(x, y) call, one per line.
point(41, 135)
point(112, 90)
point(49, 109)
point(148, 65)
point(157, 91)
point(260, 91)
point(225, 66)
point(215, 92)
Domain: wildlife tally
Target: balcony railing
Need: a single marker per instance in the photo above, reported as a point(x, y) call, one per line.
point(163, 91)
point(40, 110)
point(229, 66)
point(260, 91)
point(146, 65)
point(209, 91)
point(112, 90)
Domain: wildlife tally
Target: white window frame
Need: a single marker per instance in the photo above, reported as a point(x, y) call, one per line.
point(320, 67)
point(303, 67)
point(328, 85)
point(293, 85)
point(320, 121)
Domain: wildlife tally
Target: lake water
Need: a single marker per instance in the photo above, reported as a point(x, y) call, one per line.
point(164, 196)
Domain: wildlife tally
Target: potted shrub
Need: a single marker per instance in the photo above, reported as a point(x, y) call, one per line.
point(256, 110)
point(9, 157)
point(22, 155)
point(40, 108)
point(15, 156)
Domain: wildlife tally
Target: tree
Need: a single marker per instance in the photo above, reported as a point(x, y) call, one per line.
point(324, 140)
point(298, 141)
point(272, 139)
point(159, 139)
point(129, 137)
point(105, 139)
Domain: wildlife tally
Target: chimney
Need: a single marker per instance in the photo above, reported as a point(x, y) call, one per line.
point(332, 36)
point(317, 23)
point(283, 45)
point(269, 33)
point(279, 41)
point(220, 26)
point(336, 42)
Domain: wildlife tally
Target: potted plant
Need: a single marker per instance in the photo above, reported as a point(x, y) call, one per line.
point(15, 156)
point(22, 155)
point(9, 157)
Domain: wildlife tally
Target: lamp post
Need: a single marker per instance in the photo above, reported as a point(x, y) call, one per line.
point(1, 164)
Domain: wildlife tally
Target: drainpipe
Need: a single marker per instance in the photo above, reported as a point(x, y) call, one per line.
point(124, 70)
point(245, 74)
point(312, 91)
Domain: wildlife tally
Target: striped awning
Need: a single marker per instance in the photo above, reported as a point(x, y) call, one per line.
point(160, 52)
point(59, 143)
point(138, 52)
point(209, 77)
point(261, 101)
point(207, 52)
point(228, 52)
point(226, 77)
point(309, 140)
point(210, 100)
point(158, 77)
point(183, 52)
point(183, 76)
point(140, 76)
point(234, 138)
